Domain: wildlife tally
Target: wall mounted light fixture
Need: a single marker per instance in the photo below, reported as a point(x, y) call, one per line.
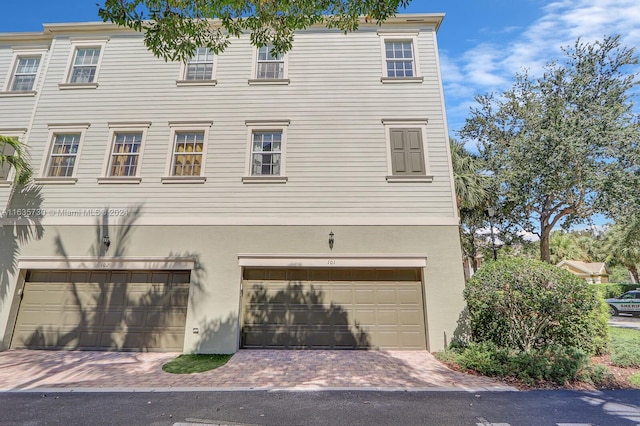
point(331, 240)
point(106, 241)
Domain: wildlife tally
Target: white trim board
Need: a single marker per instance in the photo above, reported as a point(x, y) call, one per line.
point(107, 263)
point(332, 261)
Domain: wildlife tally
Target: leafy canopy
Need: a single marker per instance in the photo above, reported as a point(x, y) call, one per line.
point(566, 145)
point(175, 28)
point(14, 153)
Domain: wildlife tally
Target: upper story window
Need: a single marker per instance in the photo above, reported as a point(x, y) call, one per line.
point(188, 152)
point(61, 162)
point(399, 57)
point(24, 77)
point(267, 141)
point(125, 154)
point(269, 67)
point(64, 152)
point(407, 158)
point(200, 67)
point(84, 64)
point(123, 158)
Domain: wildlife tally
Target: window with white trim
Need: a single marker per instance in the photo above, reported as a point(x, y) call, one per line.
point(399, 57)
point(270, 65)
point(85, 65)
point(63, 156)
point(266, 153)
point(267, 141)
point(407, 158)
point(26, 71)
point(200, 66)
point(125, 154)
point(188, 148)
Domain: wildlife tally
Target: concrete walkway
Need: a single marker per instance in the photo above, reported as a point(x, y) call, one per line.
point(22, 370)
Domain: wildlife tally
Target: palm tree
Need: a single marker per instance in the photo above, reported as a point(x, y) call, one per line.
point(471, 185)
point(623, 245)
point(565, 246)
point(14, 153)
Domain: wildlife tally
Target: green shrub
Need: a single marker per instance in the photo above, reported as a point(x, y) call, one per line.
point(555, 363)
point(597, 374)
point(523, 304)
point(485, 358)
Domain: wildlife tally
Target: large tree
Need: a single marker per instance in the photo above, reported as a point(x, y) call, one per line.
point(561, 145)
point(623, 245)
point(13, 153)
point(173, 29)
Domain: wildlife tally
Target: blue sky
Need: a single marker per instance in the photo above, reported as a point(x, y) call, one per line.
point(483, 43)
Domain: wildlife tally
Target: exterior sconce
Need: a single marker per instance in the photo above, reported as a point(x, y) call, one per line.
point(331, 240)
point(106, 241)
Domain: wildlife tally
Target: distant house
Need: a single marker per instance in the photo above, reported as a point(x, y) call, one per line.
point(594, 272)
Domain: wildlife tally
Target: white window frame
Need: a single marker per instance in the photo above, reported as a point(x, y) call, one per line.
point(114, 130)
point(187, 127)
point(77, 44)
point(254, 80)
point(411, 123)
point(254, 126)
point(400, 36)
point(18, 54)
point(17, 134)
point(54, 131)
point(183, 75)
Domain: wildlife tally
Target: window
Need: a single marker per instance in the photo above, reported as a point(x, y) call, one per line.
point(266, 151)
point(125, 154)
point(407, 159)
point(24, 78)
point(187, 152)
point(85, 65)
point(399, 57)
point(269, 67)
point(123, 158)
point(270, 64)
point(5, 169)
point(63, 156)
point(200, 67)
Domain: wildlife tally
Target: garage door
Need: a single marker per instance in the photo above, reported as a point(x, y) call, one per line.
point(333, 309)
point(103, 310)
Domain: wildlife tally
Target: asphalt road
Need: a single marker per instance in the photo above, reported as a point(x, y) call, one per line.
point(323, 408)
point(625, 321)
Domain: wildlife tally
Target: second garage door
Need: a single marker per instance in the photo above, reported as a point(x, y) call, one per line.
point(333, 309)
point(103, 310)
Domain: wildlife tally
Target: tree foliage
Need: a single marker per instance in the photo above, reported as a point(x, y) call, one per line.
point(173, 29)
point(566, 145)
point(623, 245)
point(14, 153)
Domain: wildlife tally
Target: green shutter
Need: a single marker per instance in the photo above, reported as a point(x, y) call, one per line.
point(407, 155)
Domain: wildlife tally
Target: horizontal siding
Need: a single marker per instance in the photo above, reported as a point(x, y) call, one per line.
point(336, 159)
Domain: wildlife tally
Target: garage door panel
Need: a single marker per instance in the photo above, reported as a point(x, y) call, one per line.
point(348, 310)
point(111, 311)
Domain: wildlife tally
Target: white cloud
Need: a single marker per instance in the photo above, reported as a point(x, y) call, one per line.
point(490, 66)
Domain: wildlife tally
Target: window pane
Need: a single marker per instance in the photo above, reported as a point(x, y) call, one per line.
point(266, 155)
point(200, 66)
point(85, 65)
point(25, 75)
point(124, 159)
point(23, 82)
point(63, 155)
point(269, 65)
point(83, 74)
point(87, 56)
point(187, 157)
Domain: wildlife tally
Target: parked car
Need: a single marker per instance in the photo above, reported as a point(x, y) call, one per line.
point(628, 303)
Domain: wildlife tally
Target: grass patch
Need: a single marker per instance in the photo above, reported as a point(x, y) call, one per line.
point(635, 380)
point(187, 364)
point(624, 347)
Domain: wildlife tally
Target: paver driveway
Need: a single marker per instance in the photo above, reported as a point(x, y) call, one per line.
point(248, 369)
